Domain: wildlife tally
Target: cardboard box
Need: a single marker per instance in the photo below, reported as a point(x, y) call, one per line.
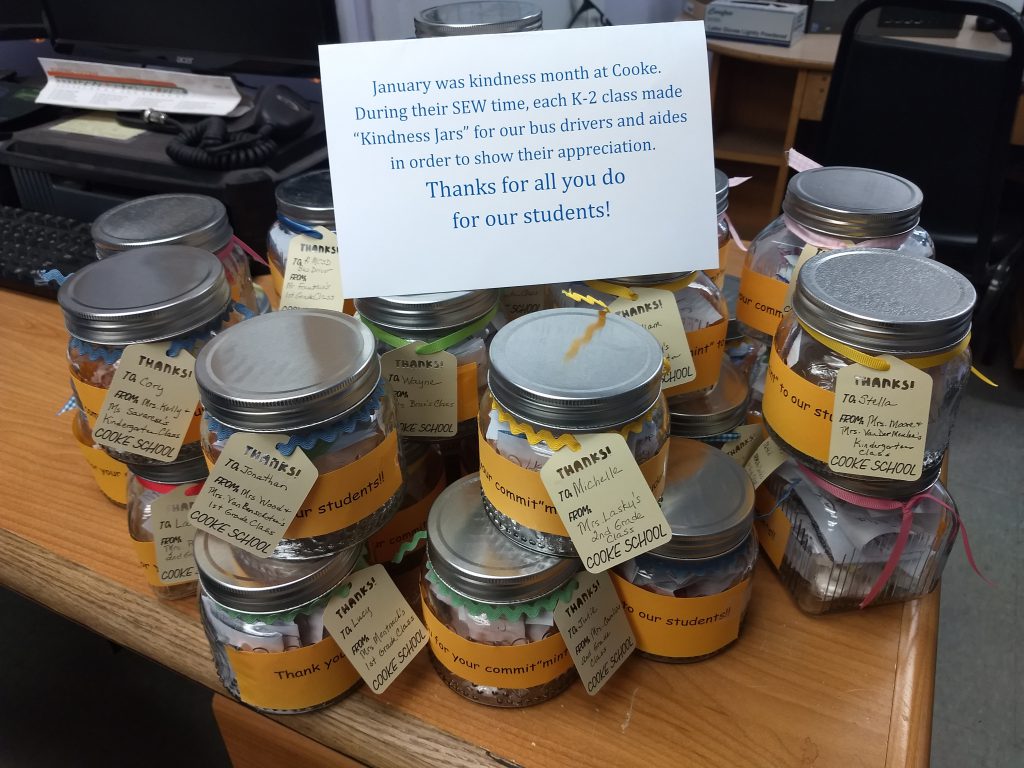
point(756, 21)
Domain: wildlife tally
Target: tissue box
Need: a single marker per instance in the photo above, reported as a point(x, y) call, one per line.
point(755, 21)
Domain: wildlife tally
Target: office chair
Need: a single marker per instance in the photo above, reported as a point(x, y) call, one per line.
point(940, 116)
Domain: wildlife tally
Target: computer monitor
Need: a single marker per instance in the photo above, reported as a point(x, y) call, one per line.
point(21, 20)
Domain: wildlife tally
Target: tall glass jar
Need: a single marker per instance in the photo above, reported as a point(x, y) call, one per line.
point(698, 584)
point(478, 18)
point(303, 203)
point(717, 276)
point(264, 619)
point(312, 376)
point(825, 209)
point(874, 302)
point(489, 607)
point(713, 417)
point(169, 293)
point(556, 374)
point(146, 484)
point(178, 219)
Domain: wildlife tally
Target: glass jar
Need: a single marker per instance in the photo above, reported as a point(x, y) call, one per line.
point(555, 374)
point(314, 377)
point(111, 475)
point(744, 352)
point(826, 209)
point(478, 18)
point(170, 293)
point(178, 219)
point(717, 276)
point(875, 302)
point(264, 619)
point(488, 606)
point(146, 484)
point(702, 307)
point(699, 583)
point(830, 553)
point(714, 417)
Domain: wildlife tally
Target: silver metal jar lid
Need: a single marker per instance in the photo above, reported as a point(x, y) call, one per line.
point(721, 191)
point(722, 409)
point(307, 199)
point(857, 203)
point(474, 559)
point(478, 18)
point(646, 281)
point(427, 313)
point(613, 379)
point(179, 219)
point(242, 582)
point(147, 294)
point(189, 467)
point(883, 301)
point(708, 502)
point(287, 371)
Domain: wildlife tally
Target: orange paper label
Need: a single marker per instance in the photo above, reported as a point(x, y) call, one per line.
point(501, 666)
point(146, 552)
point(683, 627)
point(297, 679)
point(110, 474)
point(345, 496)
point(772, 526)
point(469, 392)
point(276, 277)
point(91, 397)
point(799, 412)
point(761, 300)
point(707, 347)
point(383, 545)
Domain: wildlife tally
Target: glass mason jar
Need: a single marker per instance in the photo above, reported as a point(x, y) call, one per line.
point(830, 553)
point(744, 352)
point(717, 276)
point(825, 209)
point(478, 18)
point(462, 323)
point(702, 307)
point(111, 475)
point(699, 583)
point(875, 302)
point(714, 417)
point(488, 606)
point(264, 619)
point(312, 376)
point(170, 293)
point(178, 219)
point(146, 484)
point(555, 374)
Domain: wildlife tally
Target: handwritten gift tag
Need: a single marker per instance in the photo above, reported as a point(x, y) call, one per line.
point(150, 403)
point(253, 492)
point(881, 421)
point(766, 459)
point(173, 535)
point(312, 276)
point(748, 439)
point(522, 300)
point(604, 501)
point(657, 311)
point(425, 389)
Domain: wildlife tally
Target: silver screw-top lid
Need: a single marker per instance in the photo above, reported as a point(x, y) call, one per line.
point(856, 203)
point(148, 294)
point(179, 219)
point(189, 467)
point(883, 301)
point(484, 17)
point(721, 191)
point(307, 199)
point(242, 582)
point(646, 281)
point(427, 314)
point(324, 365)
point(722, 409)
point(477, 561)
point(708, 502)
point(612, 379)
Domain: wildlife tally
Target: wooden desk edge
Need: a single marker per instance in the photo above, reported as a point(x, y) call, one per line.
point(769, 54)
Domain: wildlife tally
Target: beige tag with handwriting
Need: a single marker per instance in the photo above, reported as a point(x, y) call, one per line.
point(595, 629)
point(312, 275)
point(522, 300)
point(657, 311)
point(766, 459)
point(375, 627)
point(172, 535)
point(253, 492)
point(425, 389)
point(743, 447)
point(604, 501)
point(881, 421)
point(150, 403)
point(807, 252)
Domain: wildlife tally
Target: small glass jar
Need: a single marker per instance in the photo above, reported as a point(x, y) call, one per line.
point(146, 484)
point(876, 302)
point(478, 18)
point(170, 293)
point(303, 202)
point(314, 377)
point(489, 607)
point(264, 619)
point(178, 219)
point(702, 307)
point(717, 276)
point(826, 209)
point(830, 553)
point(540, 395)
point(713, 417)
point(698, 584)
point(111, 475)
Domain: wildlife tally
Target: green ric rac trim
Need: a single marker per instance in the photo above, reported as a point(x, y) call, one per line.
point(408, 546)
point(511, 612)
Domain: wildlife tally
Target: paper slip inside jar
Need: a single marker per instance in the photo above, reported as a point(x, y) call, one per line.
point(604, 501)
point(657, 311)
point(253, 492)
point(173, 535)
point(150, 404)
point(312, 277)
point(766, 459)
point(375, 627)
point(881, 421)
point(425, 389)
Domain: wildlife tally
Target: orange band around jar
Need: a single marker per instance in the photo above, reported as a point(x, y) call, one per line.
point(707, 347)
point(760, 303)
point(799, 412)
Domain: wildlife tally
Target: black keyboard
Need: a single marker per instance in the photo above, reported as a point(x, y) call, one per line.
point(31, 242)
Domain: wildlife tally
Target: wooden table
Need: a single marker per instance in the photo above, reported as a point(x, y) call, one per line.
point(846, 690)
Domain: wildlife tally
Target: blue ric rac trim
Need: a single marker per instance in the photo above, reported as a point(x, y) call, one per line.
point(111, 355)
point(724, 437)
point(788, 491)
